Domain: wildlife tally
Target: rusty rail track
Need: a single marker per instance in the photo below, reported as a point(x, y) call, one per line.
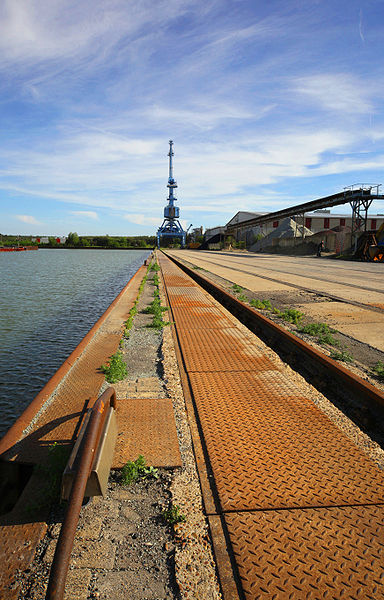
point(301, 356)
point(60, 564)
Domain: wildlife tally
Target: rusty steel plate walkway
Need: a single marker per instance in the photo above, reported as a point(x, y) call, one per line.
point(147, 426)
point(301, 506)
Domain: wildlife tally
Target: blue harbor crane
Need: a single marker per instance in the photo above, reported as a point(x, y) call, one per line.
point(171, 226)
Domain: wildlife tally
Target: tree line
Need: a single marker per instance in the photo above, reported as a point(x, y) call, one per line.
point(105, 241)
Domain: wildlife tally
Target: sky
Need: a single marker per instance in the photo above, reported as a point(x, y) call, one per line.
point(269, 104)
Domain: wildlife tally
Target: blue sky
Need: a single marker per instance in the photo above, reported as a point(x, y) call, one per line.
point(269, 104)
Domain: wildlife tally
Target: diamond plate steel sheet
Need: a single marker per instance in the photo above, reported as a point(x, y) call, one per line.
point(17, 547)
point(178, 280)
point(200, 317)
point(187, 296)
point(222, 350)
point(58, 422)
point(310, 554)
point(147, 427)
point(270, 448)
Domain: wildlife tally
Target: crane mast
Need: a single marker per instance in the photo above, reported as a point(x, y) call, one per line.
point(171, 226)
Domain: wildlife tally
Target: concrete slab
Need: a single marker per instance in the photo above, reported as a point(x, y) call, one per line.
point(358, 282)
point(361, 324)
point(77, 583)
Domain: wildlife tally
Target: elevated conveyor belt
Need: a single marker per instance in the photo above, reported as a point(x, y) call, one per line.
point(302, 507)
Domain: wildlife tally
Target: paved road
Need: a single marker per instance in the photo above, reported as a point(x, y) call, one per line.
point(352, 281)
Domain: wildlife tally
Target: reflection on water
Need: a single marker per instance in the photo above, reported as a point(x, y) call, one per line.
point(49, 300)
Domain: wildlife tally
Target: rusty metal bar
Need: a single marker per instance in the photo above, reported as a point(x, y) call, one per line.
point(60, 564)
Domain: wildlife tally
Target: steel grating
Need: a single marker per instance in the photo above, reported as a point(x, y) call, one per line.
point(310, 554)
point(269, 448)
point(221, 350)
point(147, 427)
point(200, 317)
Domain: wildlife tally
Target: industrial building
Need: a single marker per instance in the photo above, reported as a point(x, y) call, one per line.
point(311, 222)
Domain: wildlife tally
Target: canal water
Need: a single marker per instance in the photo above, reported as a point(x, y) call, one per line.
point(49, 300)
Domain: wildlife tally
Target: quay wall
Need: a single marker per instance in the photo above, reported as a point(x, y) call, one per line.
point(15, 432)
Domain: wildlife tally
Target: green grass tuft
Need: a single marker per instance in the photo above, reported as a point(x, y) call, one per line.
point(115, 369)
point(378, 370)
point(172, 515)
point(316, 329)
point(262, 304)
point(138, 469)
point(327, 338)
point(343, 356)
point(292, 315)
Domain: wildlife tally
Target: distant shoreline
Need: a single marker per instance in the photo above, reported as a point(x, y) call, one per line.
point(63, 247)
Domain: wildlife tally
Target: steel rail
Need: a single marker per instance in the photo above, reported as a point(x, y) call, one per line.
point(293, 347)
point(60, 564)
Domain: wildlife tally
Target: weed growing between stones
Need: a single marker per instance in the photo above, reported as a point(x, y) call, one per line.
point(316, 329)
point(155, 307)
point(322, 332)
point(138, 469)
point(115, 369)
point(237, 288)
point(262, 304)
point(172, 515)
point(291, 315)
point(131, 315)
point(328, 339)
point(378, 370)
point(342, 355)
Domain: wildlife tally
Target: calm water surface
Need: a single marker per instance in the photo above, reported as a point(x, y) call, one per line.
point(49, 299)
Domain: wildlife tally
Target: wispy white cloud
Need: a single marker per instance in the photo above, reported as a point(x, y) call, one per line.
point(89, 214)
point(91, 92)
point(142, 219)
point(339, 92)
point(28, 219)
point(361, 26)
